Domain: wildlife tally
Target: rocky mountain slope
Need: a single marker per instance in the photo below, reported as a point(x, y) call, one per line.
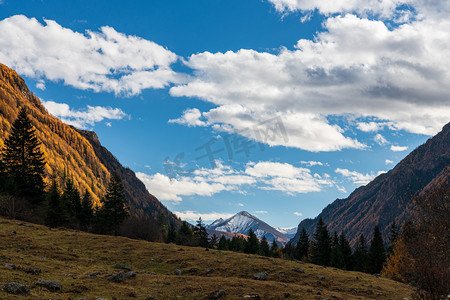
point(390, 195)
point(72, 153)
point(242, 222)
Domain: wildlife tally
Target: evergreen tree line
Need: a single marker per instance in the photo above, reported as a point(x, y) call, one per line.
point(322, 249)
point(24, 194)
point(335, 251)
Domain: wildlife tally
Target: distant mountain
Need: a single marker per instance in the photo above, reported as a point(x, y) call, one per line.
point(390, 195)
point(72, 153)
point(242, 222)
point(289, 232)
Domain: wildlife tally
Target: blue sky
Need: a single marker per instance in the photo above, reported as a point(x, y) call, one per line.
point(299, 101)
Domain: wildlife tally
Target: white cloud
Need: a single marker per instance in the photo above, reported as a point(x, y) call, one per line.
point(398, 148)
point(100, 61)
point(355, 68)
point(190, 215)
point(380, 140)
point(298, 214)
point(240, 204)
point(389, 162)
point(83, 118)
point(384, 8)
point(356, 177)
point(261, 212)
point(285, 177)
point(397, 10)
point(190, 117)
point(311, 163)
point(207, 182)
point(40, 85)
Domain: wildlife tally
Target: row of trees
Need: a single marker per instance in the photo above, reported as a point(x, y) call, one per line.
point(22, 178)
point(335, 251)
point(323, 249)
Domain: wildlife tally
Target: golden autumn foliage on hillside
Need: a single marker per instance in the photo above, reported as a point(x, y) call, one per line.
point(68, 154)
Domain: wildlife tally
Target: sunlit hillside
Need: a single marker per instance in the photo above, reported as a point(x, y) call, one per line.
point(82, 264)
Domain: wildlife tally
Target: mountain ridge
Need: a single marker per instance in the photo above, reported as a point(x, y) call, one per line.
point(389, 196)
point(73, 153)
point(243, 221)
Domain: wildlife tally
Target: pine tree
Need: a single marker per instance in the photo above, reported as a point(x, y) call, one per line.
point(359, 256)
point(264, 248)
point(275, 250)
point(336, 255)
point(72, 201)
point(301, 250)
point(184, 234)
point(252, 245)
point(321, 249)
point(393, 236)
point(56, 213)
point(376, 256)
point(113, 211)
point(346, 251)
point(202, 234)
point(87, 211)
point(222, 243)
point(23, 161)
point(171, 233)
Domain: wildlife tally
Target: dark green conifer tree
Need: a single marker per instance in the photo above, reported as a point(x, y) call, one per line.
point(23, 161)
point(171, 233)
point(377, 255)
point(336, 256)
point(201, 234)
point(222, 243)
point(346, 251)
point(252, 245)
point(301, 249)
point(393, 236)
point(184, 234)
point(113, 211)
point(56, 213)
point(264, 248)
point(321, 249)
point(360, 255)
point(87, 211)
point(71, 200)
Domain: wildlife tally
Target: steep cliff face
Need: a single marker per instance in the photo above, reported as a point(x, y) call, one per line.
point(72, 153)
point(389, 196)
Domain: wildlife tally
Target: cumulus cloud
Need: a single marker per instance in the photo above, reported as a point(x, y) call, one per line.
point(83, 118)
point(383, 8)
point(286, 177)
point(274, 176)
point(100, 61)
point(398, 148)
point(398, 11)
point(298, 214)
point(190, 215)
point(355, 67)
point(356, 177)
point(389, 162)
point(190, 117)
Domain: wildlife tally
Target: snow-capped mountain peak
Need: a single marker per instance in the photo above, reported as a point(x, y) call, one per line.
point(243, 221)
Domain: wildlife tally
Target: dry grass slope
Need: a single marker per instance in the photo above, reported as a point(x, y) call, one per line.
point(69, 256)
